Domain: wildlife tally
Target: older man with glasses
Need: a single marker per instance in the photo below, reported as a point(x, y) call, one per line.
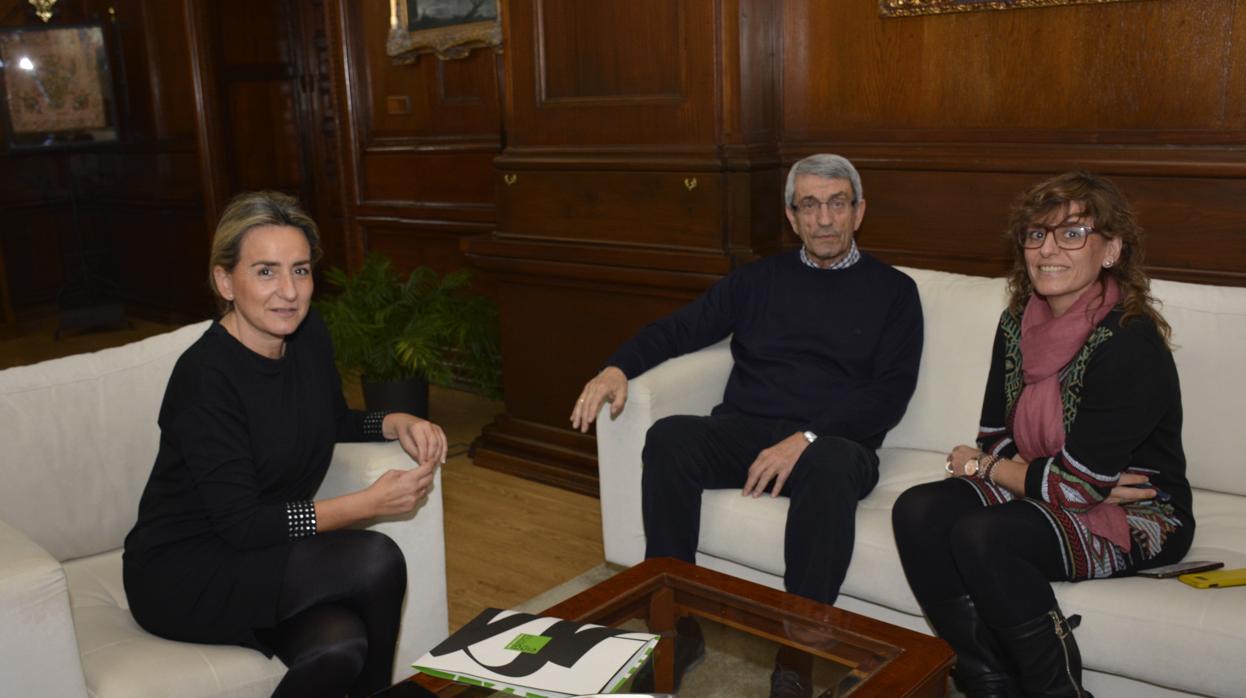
point(826, 341)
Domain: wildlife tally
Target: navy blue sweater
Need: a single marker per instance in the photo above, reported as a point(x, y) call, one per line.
point(835, 351)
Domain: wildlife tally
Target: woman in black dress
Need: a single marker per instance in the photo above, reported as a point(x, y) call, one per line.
point(229, 546)
point(1078, 472)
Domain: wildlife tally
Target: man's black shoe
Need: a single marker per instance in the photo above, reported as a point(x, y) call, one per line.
point(689, 650)
point(789, 683)
point(793, 674)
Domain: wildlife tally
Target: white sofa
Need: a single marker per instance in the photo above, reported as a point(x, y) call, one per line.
point(78, 437)
point(1138, 637)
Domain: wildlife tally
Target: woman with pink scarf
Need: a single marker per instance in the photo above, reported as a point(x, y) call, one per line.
point(1078, 472)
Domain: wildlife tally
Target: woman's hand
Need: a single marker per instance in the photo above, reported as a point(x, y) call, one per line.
point(398, 491)
point(424, 441)
point(1124, 494)
point(959, 456)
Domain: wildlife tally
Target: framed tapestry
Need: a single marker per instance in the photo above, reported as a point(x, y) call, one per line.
point(908, 8)
point(448, 28)
point(56, 87)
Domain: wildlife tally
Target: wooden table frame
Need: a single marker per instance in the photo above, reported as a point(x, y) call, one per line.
point(893, 661)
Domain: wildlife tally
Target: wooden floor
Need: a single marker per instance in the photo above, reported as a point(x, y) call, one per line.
point(507, 539)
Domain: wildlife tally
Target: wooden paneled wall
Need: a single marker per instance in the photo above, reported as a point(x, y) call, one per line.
point(213, 97)
point(641, 164)
point(122, 220)
point(421, 139)
point(949, 117)
point(617, 158)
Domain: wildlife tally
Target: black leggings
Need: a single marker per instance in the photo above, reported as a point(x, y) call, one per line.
point(338, 616)
point(1002, 556)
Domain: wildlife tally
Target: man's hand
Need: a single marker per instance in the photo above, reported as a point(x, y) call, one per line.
point(424, 441)
point(608, 386)
point(1123, 494)
point(774, 463)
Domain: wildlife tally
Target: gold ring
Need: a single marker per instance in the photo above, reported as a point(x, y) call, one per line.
point(947, 465)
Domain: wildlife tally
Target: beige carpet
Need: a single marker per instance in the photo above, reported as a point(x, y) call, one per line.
point(735, 664)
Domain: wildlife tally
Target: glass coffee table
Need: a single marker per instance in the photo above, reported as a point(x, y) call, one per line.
point(744, 624)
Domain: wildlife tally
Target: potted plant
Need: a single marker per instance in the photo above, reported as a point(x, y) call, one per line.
point(399, 335)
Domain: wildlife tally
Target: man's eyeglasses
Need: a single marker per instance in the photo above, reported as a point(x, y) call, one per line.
point(809, 206)
point(1068, 237)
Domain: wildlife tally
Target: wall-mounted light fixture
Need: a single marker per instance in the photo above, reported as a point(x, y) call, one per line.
point(43, 8)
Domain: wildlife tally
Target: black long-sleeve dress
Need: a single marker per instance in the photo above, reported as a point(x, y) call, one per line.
point(241, 435)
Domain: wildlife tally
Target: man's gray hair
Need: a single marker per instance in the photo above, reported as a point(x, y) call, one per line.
point(827, 166)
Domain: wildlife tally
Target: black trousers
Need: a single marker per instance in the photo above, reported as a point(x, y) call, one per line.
point(685, 455)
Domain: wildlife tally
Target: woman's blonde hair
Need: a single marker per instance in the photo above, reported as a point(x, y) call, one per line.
point(1114, 219)
point(252, 210)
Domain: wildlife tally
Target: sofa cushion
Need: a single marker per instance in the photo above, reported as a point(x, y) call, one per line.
point(80, 431)
point(1209, 331)
point(961, 313)
point(121, 660)
point(1162, 630)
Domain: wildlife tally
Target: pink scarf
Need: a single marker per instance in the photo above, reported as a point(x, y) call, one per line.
point(1048, 344)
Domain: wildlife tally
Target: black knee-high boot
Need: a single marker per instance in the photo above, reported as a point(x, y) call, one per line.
point(981, 671)
point(1046, 656)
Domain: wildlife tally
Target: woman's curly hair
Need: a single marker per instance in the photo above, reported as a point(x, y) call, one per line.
point(1114, 219)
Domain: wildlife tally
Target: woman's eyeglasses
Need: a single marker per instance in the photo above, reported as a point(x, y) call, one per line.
point(1068, 237)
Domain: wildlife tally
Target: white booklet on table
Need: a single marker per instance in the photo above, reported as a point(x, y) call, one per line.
point(538, 655)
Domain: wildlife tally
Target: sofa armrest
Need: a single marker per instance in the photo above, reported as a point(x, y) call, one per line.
point(420, 535)
point(689, 384)
point(38, 648)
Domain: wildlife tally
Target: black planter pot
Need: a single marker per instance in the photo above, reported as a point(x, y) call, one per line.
point(410, 396)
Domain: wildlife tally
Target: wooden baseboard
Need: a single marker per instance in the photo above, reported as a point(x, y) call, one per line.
point(550, 455)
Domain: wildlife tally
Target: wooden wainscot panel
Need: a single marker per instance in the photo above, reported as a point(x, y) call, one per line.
point(587, 52)
point(610, 73)
point(427, 97)
point(1079, 68)
point(33, 252)
point(559, 331)
point(910, 221)
point(137, 234)
point(168, 66)
point(1195, 227)
point(669, 210)
point(168, 175)
point(433, 178)
point(410, 244)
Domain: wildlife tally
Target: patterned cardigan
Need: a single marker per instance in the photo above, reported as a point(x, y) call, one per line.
point(1122, 411)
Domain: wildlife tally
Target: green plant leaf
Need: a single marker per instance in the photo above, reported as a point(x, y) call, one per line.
point(389, 328)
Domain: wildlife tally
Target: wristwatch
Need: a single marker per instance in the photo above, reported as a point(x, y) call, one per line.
point(971, 467)
point(810, 436)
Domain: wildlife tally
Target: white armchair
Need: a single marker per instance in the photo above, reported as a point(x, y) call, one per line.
point(689, 384)
point(78, 438)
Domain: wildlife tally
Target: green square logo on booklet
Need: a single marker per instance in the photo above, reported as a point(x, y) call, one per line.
point(538, 655)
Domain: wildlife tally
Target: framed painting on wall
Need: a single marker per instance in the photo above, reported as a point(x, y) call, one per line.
point(56, 87)
point(448, 28)
point(908, 8)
